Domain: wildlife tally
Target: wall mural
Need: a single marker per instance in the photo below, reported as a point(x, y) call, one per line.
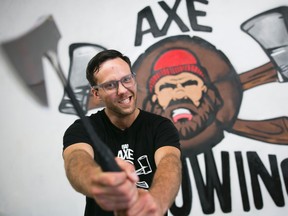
point(190, 81)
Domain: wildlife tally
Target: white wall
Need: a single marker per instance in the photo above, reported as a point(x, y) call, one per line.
point(32, 178)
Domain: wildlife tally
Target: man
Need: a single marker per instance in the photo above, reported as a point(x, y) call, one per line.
point(146, 144)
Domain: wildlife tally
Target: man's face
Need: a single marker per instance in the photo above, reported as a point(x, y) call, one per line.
point(177, 87)
point(122, 100)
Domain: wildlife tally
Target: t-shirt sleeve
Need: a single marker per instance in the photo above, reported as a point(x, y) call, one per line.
point(76, 133)
point(167, 135)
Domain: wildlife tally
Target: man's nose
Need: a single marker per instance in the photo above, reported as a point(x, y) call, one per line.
point(121, 88)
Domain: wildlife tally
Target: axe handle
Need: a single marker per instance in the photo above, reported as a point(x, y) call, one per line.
point(103, 154)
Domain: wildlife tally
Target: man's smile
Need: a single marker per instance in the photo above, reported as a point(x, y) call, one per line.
point(126, 100)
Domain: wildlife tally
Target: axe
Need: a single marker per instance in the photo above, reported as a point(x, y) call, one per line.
point(25, 54)
point(270, 30)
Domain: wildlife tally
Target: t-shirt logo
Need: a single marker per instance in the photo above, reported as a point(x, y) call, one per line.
point(128, 154)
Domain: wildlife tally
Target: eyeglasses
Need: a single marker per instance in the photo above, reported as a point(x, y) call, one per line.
point(112, 86)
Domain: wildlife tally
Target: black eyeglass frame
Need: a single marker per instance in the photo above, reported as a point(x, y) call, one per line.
point(116, 83)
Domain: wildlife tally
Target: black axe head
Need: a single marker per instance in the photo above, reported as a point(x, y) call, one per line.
point(26, 51)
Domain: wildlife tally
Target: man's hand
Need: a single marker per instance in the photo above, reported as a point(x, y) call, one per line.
point(145, 205)
point(115, 190)
point(111, 190)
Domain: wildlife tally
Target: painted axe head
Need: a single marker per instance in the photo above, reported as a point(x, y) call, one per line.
point(26, 51)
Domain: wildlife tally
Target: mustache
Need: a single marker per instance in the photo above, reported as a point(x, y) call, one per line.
point(180, 102)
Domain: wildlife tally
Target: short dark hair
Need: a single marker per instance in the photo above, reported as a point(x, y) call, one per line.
point(95, 63)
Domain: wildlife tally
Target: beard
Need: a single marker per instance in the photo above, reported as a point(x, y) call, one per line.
point(196, 119)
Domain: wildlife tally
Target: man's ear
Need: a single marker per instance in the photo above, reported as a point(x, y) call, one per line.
point(95, 92)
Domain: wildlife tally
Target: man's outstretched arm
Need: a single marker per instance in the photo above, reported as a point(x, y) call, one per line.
point(111, 190)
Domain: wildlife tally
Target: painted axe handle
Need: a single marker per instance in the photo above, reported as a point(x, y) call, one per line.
point(103, 154)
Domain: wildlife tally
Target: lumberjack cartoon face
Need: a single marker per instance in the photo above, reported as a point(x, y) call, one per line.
point(173, 82)
point(178, 92)
point(181, 86)
point(182, 98)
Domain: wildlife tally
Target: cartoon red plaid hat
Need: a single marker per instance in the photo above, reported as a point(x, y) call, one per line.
point(173, 62)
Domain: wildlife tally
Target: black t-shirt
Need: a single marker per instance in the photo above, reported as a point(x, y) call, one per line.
point(136, 144)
